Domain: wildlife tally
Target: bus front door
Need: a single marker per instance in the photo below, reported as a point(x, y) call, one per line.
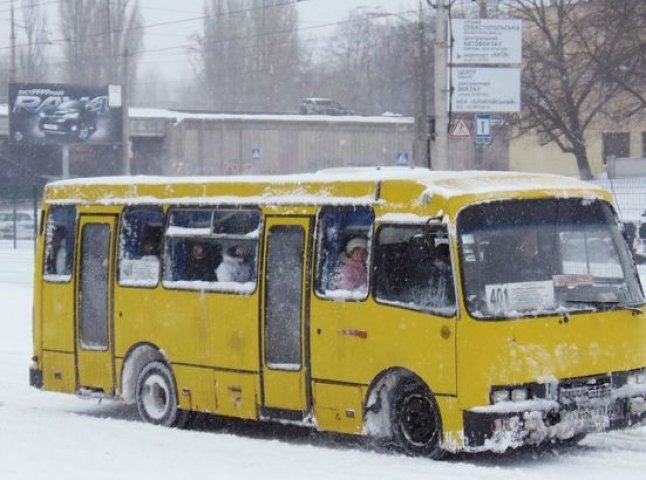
point(285, 363)
point(94, 345)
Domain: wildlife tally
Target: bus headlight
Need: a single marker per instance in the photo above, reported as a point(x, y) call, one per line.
point(636, 378)
point(519, 394)
point(505, 394)
point(501, 395)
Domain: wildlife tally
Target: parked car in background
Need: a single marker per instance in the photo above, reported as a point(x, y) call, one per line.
point(24, 225)
point(322, 106)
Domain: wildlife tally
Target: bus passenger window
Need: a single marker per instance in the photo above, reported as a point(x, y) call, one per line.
point(237, 232)
point(214, 249)
point(412, 268)
point(140, 246)
point(343, 252)
point(59, 243)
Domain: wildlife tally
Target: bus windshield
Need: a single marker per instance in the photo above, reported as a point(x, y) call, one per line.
point(544, 256)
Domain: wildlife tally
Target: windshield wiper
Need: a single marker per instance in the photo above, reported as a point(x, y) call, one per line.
point(606, 305)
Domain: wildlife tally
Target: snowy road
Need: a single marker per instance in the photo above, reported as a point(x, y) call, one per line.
point(51, 436)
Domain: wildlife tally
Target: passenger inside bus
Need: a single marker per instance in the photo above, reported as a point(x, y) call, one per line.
point(149, 250)
point(57, 260)
point(198, 266)
point(352, 271)
point(527, 259)
point(441, 285)
point(234, 266)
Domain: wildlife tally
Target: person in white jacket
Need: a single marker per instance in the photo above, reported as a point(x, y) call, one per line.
point(233, 267)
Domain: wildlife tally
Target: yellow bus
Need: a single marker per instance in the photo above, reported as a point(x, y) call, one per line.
point(433, 311)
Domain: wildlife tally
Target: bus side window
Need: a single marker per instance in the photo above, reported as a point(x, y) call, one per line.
point(215, 245)
point(59, 243)
point(345, 235)
point(412, 268)
point(237, 232)
point(140, 246)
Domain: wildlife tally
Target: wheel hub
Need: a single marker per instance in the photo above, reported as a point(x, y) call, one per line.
point(155, 397)
point(418, 423)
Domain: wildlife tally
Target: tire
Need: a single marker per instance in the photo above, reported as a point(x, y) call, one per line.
point(415, 421)
point(156, 397)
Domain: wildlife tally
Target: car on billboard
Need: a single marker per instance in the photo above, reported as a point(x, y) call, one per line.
point(73, 118)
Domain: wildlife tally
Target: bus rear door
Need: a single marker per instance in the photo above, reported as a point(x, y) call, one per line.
point(94, 343)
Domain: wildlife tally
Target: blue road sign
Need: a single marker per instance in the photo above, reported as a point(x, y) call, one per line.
point(483, 128)
point(402, 158)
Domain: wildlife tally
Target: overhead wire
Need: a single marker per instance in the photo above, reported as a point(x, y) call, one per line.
point(164, 23)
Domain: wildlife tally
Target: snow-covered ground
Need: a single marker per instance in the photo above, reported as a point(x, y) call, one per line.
point(52, 436)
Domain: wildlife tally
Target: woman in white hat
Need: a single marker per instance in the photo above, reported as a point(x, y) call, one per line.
point(352, 274)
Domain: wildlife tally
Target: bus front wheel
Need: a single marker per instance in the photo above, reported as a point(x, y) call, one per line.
point(156, 397)
point(415, 421)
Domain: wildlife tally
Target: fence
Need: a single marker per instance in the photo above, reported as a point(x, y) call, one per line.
point(629, 194)
point(19, 209)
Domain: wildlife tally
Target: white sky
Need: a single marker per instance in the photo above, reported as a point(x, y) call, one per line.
point(171, 63)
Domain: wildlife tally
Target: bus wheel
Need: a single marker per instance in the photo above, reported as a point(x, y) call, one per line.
point(415, 421)
point(156, 397)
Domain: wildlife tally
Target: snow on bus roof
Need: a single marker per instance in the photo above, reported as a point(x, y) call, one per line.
point(444, 183)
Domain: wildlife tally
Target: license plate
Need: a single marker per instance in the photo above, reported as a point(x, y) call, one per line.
point(49, 126)
point(592, 414)
point(590, 420)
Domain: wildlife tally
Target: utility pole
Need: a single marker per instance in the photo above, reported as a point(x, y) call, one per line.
point(421, 154)
point(12, 71)
point(125, 141)
point(111, 59)
point(440, 157)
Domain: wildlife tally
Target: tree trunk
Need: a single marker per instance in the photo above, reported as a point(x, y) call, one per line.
point(581, 155)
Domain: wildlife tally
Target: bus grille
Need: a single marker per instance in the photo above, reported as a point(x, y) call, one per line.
point(585, 395)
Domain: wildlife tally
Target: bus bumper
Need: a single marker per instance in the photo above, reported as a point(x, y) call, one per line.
point(35, 377)
point(515, 424)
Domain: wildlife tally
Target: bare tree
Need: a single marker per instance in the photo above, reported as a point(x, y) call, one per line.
point(32, 61)
point(248, 57)
point(79, 29)
point(220, 54)
point(568, 48)
point(621, 25)
point(103, 39)
point(378, 53)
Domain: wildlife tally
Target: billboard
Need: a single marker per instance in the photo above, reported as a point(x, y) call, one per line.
point(57, 114)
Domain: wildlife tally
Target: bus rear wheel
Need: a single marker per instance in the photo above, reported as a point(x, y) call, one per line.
point(156, 397)
point(415, 421)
